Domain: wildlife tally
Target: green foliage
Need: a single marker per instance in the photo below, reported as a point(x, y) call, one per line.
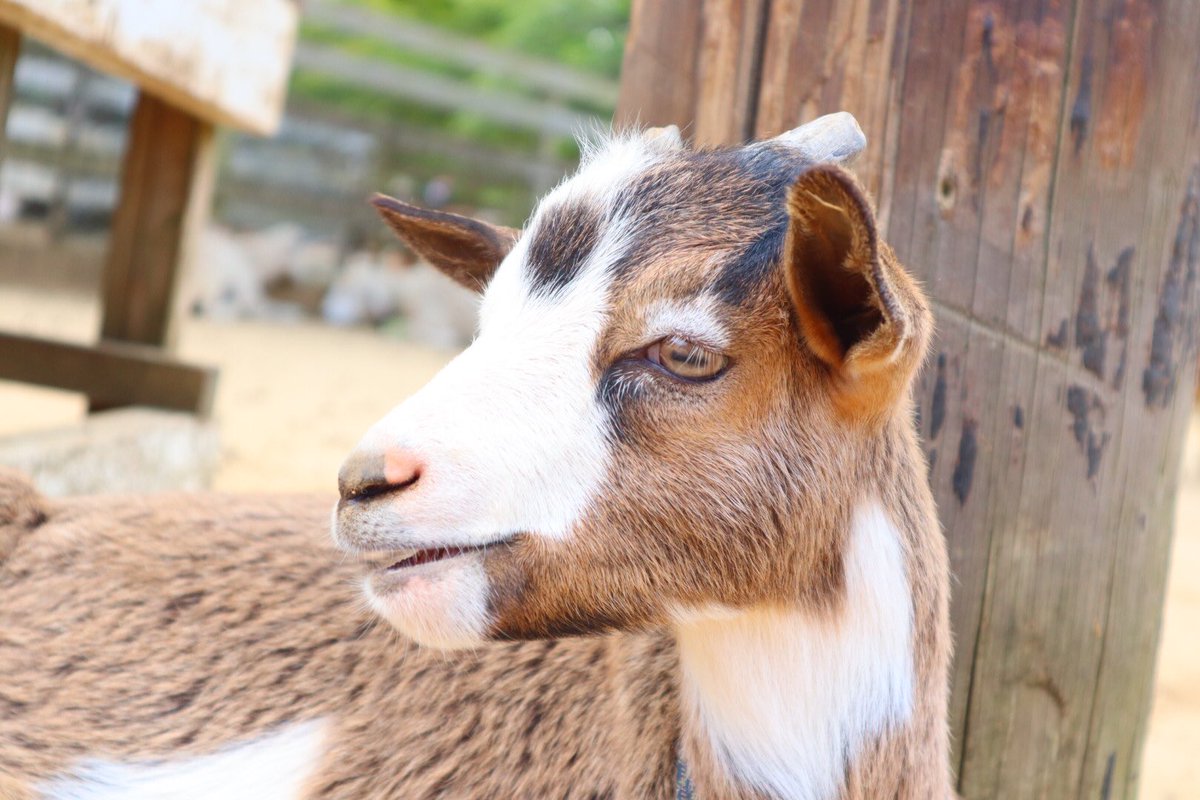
point(585, 35)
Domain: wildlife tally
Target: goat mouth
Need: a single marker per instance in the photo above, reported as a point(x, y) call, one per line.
point(393, 561)
point(433, 554)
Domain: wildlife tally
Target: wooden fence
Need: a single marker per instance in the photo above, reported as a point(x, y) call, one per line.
point(66, 132)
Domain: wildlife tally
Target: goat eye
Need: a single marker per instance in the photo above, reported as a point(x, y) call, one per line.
point(685, 359)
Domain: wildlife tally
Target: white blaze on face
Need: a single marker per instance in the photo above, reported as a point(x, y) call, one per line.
point(698, 320)
point(510, 434)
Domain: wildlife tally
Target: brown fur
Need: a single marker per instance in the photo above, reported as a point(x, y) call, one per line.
point(144, 627)
point(467, 250)
point(22, 510)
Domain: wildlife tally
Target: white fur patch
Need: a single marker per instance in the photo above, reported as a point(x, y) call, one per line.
point(441, 605)
point(698, 321)
point(510, 433)
point(274, 767)
point(788, 696)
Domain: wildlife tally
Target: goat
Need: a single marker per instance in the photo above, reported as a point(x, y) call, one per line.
point(662, 530)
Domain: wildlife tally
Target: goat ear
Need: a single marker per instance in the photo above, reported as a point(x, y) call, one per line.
point(858, 310)
point(468, 250)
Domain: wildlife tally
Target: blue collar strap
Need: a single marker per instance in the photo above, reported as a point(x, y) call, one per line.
point(684, 790)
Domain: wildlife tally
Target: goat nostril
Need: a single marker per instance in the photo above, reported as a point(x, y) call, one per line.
point(367, 491)
point(400, 468)
point(367, 476)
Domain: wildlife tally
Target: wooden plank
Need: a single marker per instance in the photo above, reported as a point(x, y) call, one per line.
point(415, 140)
point(695, 65)
point(975, 161)
point(77, 161)
point(825, 56)
point(1038, 165)
point(413, 36)
point(727, 68)
point(224, 61)
point(111, 375)
point(10, 51)
point(166, 191)
point(658, 73)
point(439, 91)
point(1122, 256)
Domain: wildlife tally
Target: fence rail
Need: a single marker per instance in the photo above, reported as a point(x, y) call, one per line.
point(437, 91)
point(414, 37)
point(66, 129)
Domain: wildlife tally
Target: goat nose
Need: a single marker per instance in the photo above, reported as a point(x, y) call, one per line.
point(370, 474)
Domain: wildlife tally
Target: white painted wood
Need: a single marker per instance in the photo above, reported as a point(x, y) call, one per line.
point(224, 61)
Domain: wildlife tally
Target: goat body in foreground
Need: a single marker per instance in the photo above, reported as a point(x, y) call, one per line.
point(668, 508)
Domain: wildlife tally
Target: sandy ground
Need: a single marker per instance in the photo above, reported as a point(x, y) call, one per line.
point(294, 399)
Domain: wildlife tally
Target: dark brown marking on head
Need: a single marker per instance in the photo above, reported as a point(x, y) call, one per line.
point(561, 244)
point(712, 201)
point(618, 386)
point(747, 270)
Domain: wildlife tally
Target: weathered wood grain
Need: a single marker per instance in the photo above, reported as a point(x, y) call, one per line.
point(727, 70)
point(658, 73)
point(166, 187)
point(831, 56)
point(696, 64)
point(1037, 165)
point(10, 50)
point(111, 375)
point(224, 61)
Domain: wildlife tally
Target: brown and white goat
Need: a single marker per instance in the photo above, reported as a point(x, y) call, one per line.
point(662, 528)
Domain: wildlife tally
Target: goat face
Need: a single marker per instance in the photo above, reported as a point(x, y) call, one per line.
point(658, 415)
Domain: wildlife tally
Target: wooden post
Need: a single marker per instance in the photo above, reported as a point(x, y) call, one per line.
point(197, 64)
point(166, 190)
point(1037, 165)
point(75, 117)
point(10, 50)
point(694, 64)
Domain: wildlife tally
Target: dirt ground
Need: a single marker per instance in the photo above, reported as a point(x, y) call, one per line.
point(294, 399)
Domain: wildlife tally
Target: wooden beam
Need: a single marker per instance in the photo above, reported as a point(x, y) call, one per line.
point(166, 192)
point(415, 140)
point(225, 61)
point(111, 375)
point(1037, 166)
point(1103, 217)
point(658, 73)
point(727, 70)
point(697, 62)
point(826, 56)
point(438, 91)
point(10, 51)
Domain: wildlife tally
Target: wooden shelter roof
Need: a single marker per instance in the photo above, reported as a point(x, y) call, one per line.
point(223, 61)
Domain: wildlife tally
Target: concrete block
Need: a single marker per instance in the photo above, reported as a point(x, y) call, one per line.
point(124, 450)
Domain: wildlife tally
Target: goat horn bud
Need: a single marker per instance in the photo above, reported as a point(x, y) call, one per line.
point(832, 139)
point(665, 138)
